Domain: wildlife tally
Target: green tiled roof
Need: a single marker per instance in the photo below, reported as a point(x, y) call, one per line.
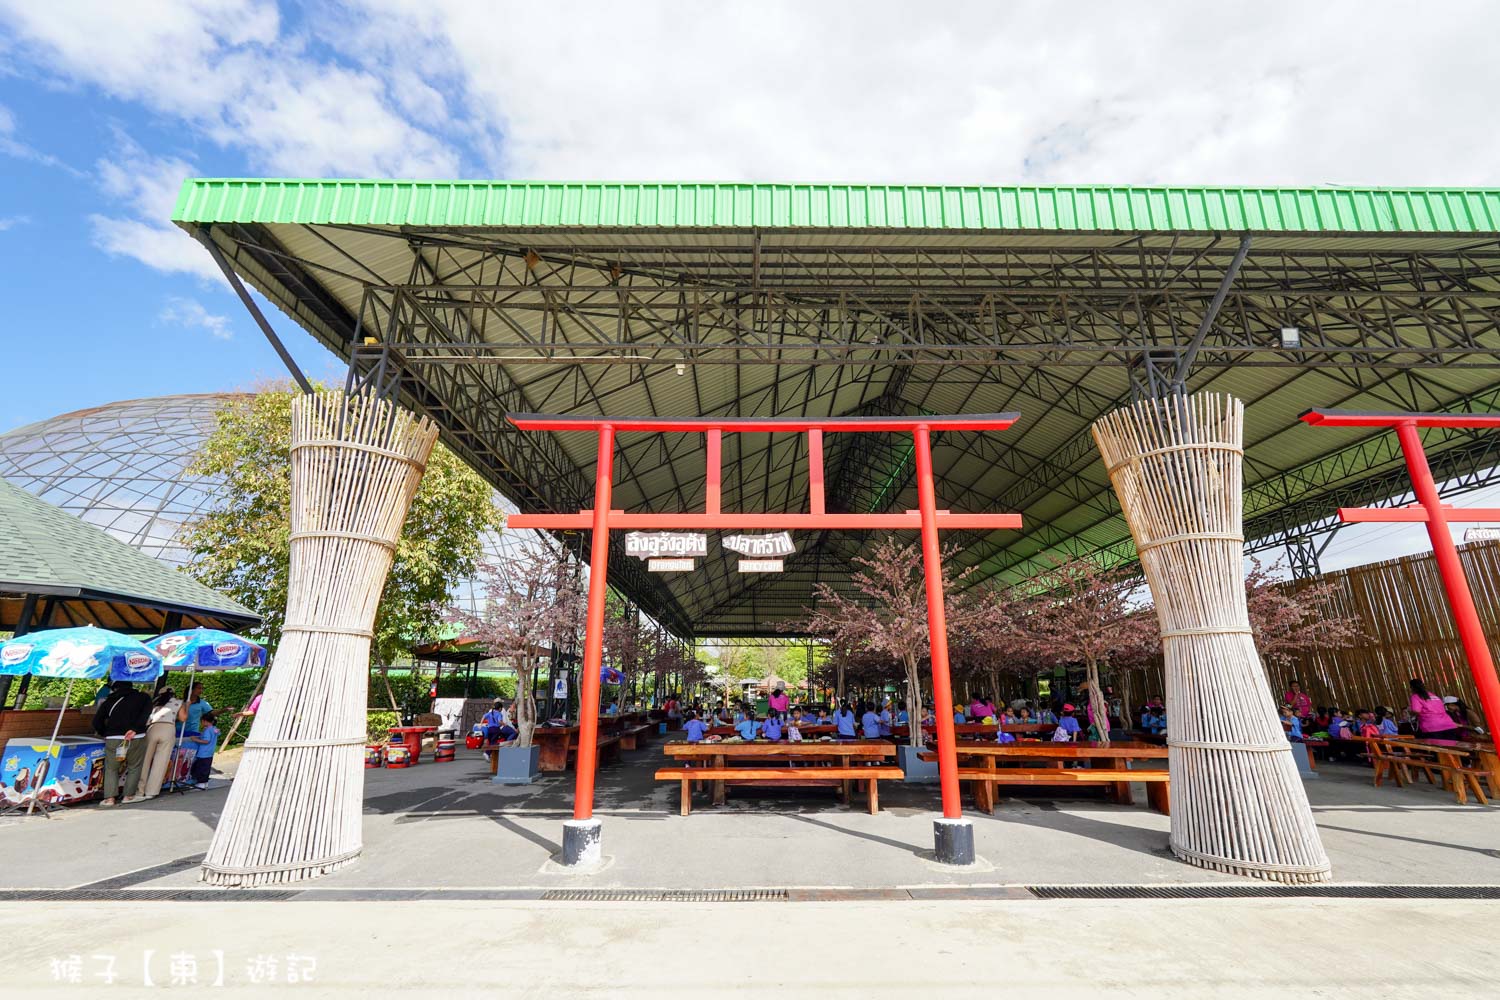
point(665, 205)
point(44, 549)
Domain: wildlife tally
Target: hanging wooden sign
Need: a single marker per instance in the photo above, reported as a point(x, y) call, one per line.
point(761, 546)
point(670, 565)
point(672, 544)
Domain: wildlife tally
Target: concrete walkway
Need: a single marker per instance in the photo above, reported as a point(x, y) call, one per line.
point(447, 826)
point(1195, 950)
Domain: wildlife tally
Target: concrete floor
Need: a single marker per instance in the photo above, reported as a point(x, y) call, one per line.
point(447, 826)
point(1163, 950)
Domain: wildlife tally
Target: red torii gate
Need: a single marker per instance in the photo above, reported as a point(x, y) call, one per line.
point(953, 835)
point(1437, 515)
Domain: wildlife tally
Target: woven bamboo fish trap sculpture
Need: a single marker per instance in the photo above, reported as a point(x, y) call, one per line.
point(1238, 804)
point(294, 809)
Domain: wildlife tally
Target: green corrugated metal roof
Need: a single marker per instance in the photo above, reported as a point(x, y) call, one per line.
point(42, 548)
point(837, 206)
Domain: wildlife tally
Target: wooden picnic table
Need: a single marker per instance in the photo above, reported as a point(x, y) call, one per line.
point(843, 753)
point(1113, 756)
point(806, 731)
point(1464, 755)
point(411, 738)
point(1038, 729)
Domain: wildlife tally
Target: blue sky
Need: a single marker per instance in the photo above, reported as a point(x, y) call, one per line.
point(105, 107)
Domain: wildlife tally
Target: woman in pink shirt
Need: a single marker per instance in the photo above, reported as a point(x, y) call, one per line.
point(1302, 705)
point(779, 701)
point(1432, 718)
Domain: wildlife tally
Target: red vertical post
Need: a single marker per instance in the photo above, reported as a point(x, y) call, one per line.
point(593, 635)
point(714, 474)
point(937, 628)
point(815, 471)
point(1455, 583)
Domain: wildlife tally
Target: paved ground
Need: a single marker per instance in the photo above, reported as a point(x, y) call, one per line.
point(447, 825)
point(1163, 950)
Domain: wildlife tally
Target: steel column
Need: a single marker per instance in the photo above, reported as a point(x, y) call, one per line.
point(593, 636)
point(1455, 583)
point(937, 629)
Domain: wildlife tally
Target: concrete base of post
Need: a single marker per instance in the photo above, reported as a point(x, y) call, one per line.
point(953, 841)
point(583, 843)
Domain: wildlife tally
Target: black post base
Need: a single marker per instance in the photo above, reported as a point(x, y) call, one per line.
point(953, 841)
point(582, 842)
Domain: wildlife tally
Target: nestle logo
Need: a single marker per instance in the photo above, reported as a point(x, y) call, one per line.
point(136, 661)
point(16, 652)
point(227, 649)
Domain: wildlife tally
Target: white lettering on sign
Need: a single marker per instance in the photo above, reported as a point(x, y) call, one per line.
point(760, 565)
point(654, 544)
point(761, 546)
point(670, 565)
point(1481, 534)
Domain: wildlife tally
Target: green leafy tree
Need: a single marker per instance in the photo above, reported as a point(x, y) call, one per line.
point(242, 545)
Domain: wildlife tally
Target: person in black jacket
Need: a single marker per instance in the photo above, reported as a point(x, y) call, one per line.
point(122, 717)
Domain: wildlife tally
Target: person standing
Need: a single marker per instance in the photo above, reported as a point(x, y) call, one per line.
point(204, 741)
point(870, 722)
point(161, 736)
point(196, 705)
point(779, 701)
point(1430, 714)
point(695, 728)
point(1301, 704)
point(121, 720)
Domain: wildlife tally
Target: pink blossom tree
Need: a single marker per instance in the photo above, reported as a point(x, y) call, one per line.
point(1082, 612)
point(532, 600)
point(1290, 618)
point(889, 616)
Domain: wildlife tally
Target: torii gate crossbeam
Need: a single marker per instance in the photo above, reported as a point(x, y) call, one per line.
point(954, 837)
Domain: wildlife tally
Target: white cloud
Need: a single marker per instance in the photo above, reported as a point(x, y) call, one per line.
point(147, 187)
point(191, 314)
point(1286, 93)
point(229, 69)
point(12, 221)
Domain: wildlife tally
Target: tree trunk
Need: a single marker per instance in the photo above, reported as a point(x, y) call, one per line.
point(385, 677)
point(913, 703)
point(839, 681)
point(525, 704)
point(1098, 704)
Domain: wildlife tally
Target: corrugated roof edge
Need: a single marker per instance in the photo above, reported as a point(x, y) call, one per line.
point(534, 204)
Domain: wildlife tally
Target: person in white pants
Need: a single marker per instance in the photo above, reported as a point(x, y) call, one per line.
point(161, 735)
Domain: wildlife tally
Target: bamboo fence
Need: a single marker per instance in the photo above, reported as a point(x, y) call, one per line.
point(1238, 804)
point(294, 809)
point(1408, 632)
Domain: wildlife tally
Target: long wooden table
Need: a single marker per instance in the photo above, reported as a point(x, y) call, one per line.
point(1113, 756)
point(1037, 729)
point(1455, 756)
point(842, 754)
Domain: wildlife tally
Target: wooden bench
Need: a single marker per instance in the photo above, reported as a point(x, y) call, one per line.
point(869, 775)
point(609, 749)
point(1157, 781)
point(631, 736)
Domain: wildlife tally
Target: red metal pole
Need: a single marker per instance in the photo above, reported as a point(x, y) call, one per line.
point(937, 628)
point(1460, 600)
point(593, 635)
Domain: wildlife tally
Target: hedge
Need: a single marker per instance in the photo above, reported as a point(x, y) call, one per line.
point(378, 725)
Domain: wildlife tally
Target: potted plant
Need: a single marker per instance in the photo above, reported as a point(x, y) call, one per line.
point(531, 598)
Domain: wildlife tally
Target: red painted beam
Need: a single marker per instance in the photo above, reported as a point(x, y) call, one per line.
point(1355, 418)
point(1415, 515)
point(784, 522)
point(815, 471)
point(735, 425)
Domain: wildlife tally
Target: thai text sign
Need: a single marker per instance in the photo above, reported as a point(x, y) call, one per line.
point(761, 546)
point(655, 544)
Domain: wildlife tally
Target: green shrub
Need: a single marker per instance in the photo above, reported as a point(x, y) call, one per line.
point(378, 724)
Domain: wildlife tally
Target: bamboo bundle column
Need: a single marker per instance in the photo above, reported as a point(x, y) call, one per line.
point(293, 811)
point(1238, 804)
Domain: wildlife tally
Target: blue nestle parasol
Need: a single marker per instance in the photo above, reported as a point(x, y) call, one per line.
point(206, 649)
point(609, 675)
point(86, 653)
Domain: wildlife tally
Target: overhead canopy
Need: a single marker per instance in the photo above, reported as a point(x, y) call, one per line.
point(57, 571)
point(757, 300)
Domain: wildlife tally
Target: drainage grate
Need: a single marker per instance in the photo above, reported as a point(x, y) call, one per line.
point(665, 895)
point(144, 874)
point(1235, 891)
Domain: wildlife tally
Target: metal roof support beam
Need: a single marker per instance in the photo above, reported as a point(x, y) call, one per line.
point(207, 239)
point(1185, 363)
